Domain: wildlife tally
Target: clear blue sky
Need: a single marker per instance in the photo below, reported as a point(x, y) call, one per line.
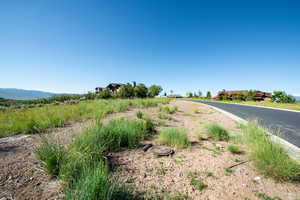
point(74, 46)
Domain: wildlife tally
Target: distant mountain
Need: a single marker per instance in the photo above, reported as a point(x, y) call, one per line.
point(20, 94)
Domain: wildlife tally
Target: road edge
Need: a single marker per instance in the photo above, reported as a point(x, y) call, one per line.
point(292, 150)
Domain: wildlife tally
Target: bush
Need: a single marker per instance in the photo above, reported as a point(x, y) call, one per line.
point(52, 155)
point(217, 132)
point(126, 91)
point(173, 137)
point(104, 94)
point(268, 157)
point(234, 149)
point(208, 95)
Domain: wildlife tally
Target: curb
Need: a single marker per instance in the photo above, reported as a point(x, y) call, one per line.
point(282, 109)
point(292, 150)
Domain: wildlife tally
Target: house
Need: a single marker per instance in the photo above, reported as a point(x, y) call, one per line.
point(242, 95)
point(99, 89)
point(112, 87)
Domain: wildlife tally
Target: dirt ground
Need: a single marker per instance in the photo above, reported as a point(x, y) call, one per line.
point(22, 175)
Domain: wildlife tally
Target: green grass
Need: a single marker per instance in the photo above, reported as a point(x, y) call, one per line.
point(268, 157)
point(51, 154)
point(216, 131)
point(228, 171)
point(234, 149)
point(139, 114)
point(83, 165)
point(36, 120)
point(174, 137)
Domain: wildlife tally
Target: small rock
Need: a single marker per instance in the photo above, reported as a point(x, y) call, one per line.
point(257, 178)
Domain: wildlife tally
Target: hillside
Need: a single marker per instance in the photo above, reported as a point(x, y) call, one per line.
point(20, 94)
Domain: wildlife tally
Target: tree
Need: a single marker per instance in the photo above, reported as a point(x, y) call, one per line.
point(199, 93)
point(154, 90)
point(126, 91)
point(250, 95)
point(282, 97)
point(140, 91)
point(208, 95)
point(189, 94)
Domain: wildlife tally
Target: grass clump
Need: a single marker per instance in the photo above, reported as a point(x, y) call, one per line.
point(52, 155)
point(217, 132)
point(268, 157)
point(234, 149)
point(174, 137)
point(228, 171)
point(168, 110)
point(139, 114)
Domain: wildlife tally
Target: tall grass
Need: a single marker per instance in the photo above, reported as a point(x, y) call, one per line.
point(83, 166)
point(173, 137)
point(35, 120)
point(216, 131)
point(52, 154)
point(268, 157)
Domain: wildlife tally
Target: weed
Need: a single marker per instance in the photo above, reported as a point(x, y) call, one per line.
point(160, 171)
point(192, 175)
point(228, 171)
point(198, 184)
point(217, 132)
point(234, 149)
point(139, 114)
point(268, 157)
point(264, 196)
point(208, 174)
point(173, 137)
point(168, 110)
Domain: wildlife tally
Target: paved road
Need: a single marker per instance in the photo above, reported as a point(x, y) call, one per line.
point(287, 122)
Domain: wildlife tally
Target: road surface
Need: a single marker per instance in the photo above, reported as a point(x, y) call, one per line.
point(287, 122)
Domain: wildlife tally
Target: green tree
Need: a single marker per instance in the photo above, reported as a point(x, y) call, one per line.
point(189, 94)
point(199, 93)
point(282, 97)
point(208, 95)
point(250, 95)
point(154, 90)
point(126, 91)
point(140, 91)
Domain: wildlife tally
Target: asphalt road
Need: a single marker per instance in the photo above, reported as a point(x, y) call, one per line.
point(287, 122)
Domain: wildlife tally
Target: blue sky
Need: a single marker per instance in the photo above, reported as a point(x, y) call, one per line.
point(73, 46)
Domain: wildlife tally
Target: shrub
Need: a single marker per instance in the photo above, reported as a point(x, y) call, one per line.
point(139, 115)
point(104, 94)
point(173, 137)
point(282, 97)
point(217, 132)
point(126, 91)
point(234, 149)
point(269, 158)
point(52, 155)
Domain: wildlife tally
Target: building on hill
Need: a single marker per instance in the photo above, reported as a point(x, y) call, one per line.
point(242, 95)
point(112, 88)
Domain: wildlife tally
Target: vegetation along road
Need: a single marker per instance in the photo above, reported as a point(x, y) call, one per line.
point(287, 122)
